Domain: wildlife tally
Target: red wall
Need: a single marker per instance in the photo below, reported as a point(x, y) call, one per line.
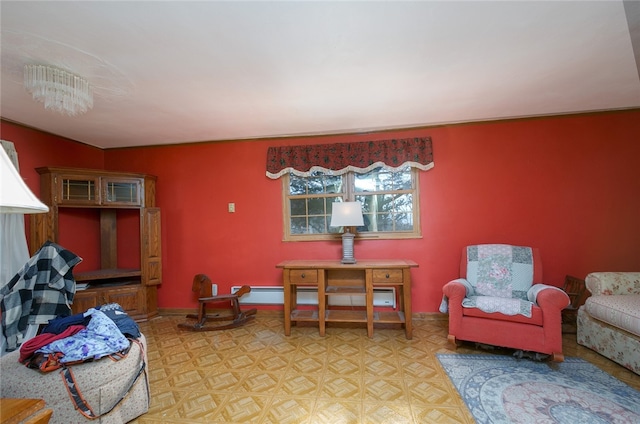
point(568, 185)
point(36, 149)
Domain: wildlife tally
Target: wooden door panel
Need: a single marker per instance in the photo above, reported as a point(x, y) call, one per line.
point(129, 298)
point(151, 246)
point(85, 299)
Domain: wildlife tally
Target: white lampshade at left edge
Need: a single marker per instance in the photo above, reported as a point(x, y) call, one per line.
point(15, 196)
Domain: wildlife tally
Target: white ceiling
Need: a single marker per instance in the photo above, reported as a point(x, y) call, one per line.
point(173, 72)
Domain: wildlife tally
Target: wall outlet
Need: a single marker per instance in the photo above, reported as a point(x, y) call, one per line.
point(232, 207)
point(214, 289)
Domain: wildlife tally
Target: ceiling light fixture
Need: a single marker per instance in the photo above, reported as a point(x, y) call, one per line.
point(59, 90)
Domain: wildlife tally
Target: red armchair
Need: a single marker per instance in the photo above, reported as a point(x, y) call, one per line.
point(501, 301)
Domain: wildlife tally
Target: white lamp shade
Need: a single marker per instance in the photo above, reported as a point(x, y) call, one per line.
point(346, 214)
point(15, 196)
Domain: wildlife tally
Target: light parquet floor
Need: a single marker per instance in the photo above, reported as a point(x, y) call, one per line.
point(256, 374)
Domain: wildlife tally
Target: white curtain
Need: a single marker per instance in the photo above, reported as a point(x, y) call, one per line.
point(14, 252)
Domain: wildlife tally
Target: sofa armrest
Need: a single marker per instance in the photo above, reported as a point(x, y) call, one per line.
point(608, 283)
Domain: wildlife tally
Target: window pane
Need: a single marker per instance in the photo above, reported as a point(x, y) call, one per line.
point(299, 225)
point(298, 207)
point(329, 204)
point(368, 202)
point(316, 185)
point(404, 222)
point(333, 184)
point(78, 189)
point(316, 206)
point(385, 181)
point(317, 224)
point(386, 202)
point(401, 180)
point(367, 218)
point(368, 182)
point(365, 182)
point(383, 222)
point(376, 203)
point(403, 203)
point(297, 185)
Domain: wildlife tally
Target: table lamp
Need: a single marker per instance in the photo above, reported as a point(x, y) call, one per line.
point(347, 214)
point(15, 196)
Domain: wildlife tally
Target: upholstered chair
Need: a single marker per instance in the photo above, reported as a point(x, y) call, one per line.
point(500, 300)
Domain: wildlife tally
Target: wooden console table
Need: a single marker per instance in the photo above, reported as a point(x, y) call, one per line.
point(331, 277)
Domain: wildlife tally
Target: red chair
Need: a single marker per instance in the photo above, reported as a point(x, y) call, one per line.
point(500, 300)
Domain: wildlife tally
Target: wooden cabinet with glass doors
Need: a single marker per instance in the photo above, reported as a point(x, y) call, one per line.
point(107, 193)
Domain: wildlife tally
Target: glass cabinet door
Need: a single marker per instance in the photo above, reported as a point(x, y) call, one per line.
point(121, 191)
point(78, 190)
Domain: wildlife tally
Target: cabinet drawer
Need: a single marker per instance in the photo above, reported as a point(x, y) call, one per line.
point(85, 299)
point(387, 276)
point(303, 276)
point(131, 299)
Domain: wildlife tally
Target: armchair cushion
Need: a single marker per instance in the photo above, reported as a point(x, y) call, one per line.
point(621, 311)
point(535, 319)
point(504, 306)
point(529, 310)
point(499, 304)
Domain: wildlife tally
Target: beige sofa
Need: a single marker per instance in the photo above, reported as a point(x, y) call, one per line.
point(101, 383)
point(609, 321)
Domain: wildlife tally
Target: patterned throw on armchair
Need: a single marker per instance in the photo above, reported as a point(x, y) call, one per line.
point(500, 300)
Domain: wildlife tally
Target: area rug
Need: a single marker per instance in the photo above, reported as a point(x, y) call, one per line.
point(503, 389)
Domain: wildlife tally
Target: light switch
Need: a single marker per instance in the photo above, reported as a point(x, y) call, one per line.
point(232, 207)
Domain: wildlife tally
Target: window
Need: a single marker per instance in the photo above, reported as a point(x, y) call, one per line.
point(389, 203)
point(380, 174)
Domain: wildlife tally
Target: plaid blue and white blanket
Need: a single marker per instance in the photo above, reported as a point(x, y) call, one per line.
point(41, 291)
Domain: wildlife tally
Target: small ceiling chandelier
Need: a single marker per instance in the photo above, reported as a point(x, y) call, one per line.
point(59, 90)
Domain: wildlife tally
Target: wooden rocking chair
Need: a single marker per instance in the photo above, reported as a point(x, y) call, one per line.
point(202, 286)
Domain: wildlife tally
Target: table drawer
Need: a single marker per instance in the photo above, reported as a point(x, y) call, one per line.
point(387, 276)
point(303, 276)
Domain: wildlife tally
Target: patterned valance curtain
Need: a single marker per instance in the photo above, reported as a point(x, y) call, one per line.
point(340, 158)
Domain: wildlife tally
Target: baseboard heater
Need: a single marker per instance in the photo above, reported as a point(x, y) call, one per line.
point(274, 295)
